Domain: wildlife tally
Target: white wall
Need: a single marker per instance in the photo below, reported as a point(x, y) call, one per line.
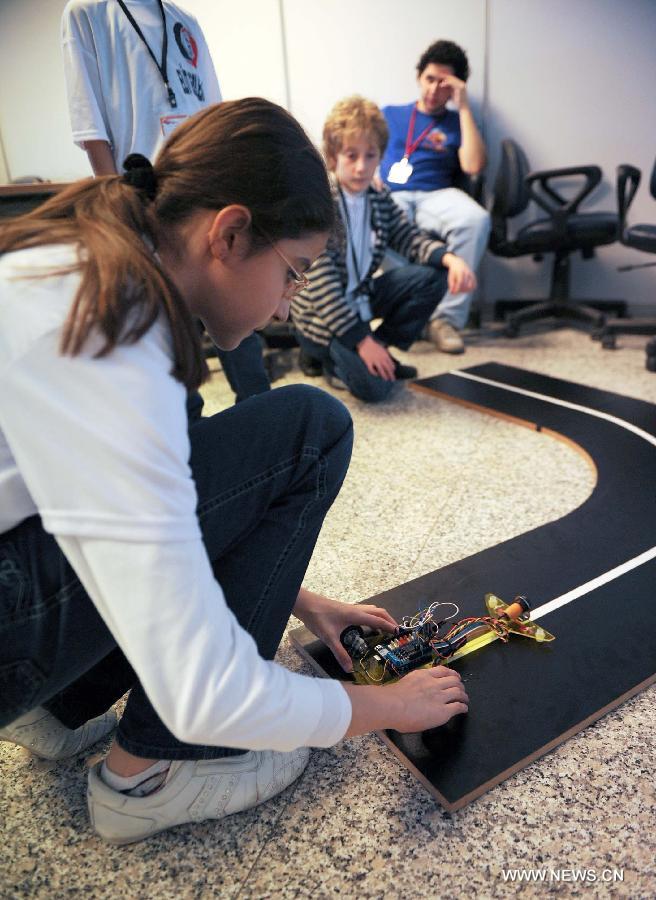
point(370, 47)
point(4, 172)
point(571, 81)
point(246, 42)
point(33, 110)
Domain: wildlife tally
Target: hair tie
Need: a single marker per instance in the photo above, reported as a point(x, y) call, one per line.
point(139, 174)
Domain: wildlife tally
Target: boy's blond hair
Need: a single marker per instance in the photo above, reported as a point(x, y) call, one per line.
point(350, 116)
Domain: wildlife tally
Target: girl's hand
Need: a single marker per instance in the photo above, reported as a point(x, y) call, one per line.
point(421, 699)
point(428, 698)
point(327, 619)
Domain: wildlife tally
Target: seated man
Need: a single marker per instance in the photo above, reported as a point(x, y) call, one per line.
point(332, 314)
point(429, 147)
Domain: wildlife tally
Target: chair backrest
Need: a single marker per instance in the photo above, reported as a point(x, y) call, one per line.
point(510, 195)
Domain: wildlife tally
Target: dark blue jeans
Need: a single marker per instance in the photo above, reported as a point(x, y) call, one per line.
point(244, 368)
point(404, 299)
point(266, 473)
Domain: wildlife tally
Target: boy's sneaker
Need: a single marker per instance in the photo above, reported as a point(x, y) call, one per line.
point(445, 337)
point(310, 365)
point(45, 736)
point(194, 790)
point(403, 372)
point(335, 382)
point(332, 379)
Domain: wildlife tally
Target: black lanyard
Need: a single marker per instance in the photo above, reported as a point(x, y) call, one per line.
point(165, 46)
point(349, 234)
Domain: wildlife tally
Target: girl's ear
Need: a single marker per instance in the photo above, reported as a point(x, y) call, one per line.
point(229, 231)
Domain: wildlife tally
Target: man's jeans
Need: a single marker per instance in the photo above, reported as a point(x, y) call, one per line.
point(462, 224)
point(404, 299)
point(266, 473)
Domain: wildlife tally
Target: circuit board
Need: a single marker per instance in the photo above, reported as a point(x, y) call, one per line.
point(431, 637)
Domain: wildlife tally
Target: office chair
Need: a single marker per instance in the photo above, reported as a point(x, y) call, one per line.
point(640, 237)
point(564, 231)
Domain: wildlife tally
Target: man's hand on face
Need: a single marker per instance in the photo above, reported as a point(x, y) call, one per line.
point(458, 90)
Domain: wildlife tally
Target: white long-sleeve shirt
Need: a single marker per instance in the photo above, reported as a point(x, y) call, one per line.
point(99, 448)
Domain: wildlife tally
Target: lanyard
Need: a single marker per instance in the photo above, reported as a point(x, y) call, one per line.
point(410, 145)
point(349, 235)
point(165, 44)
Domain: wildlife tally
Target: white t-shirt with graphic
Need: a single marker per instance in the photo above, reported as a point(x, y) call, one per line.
point(99, 448)
point(115, 91)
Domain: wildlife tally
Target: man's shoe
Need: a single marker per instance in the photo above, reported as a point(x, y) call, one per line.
point(403, 372)
point(194, 790)
point(310, 365)
point(445, 337)
point(45, 736)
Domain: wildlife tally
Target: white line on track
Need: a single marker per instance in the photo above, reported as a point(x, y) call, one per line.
point(624, 567)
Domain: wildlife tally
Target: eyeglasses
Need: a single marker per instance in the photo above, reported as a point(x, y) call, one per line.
point(297, 279)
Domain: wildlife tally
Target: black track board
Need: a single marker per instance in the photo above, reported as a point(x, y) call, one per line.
point(526, 698)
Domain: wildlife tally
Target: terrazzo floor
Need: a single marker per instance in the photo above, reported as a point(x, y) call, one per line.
point(430, 482)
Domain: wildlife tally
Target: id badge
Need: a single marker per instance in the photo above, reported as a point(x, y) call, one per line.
point(400, 171)
point(168, 124)
point(363, 307)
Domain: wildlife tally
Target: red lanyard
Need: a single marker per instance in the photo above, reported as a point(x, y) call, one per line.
point(410, 145)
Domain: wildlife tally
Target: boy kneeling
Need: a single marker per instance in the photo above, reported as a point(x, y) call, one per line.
point(333, 314)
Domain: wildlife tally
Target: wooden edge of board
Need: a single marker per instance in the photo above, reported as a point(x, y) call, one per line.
point(547, 748)
point(466, 799)
point(514, 420)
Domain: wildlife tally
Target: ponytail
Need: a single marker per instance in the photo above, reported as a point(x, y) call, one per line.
point(248, 152)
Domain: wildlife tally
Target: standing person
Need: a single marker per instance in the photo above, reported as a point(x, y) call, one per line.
point(136, 69)
point(185, 547)
point(430, 146)
point(333, 314)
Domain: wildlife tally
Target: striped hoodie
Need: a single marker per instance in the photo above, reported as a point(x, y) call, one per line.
point(321, 311)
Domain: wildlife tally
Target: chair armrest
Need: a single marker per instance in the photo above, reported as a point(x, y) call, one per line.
point(628, 180)
point(541, 189)
point(477, 187)
point(471, 184)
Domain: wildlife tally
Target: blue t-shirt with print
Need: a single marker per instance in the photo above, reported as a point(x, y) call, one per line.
point(435, 161)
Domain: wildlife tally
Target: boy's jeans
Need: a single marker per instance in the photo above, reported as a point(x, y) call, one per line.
point(266, 473)
point(404, 299)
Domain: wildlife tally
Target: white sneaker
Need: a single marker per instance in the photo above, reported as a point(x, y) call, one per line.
point(45, 736)
point(194, 790)
point(445, 337)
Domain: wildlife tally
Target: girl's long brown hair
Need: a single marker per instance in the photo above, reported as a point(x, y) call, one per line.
point(249, 152)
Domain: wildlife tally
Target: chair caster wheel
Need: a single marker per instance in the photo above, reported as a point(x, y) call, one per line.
point(597, 334)
point(650, 364)
point(511, 331)
point(608, 341)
